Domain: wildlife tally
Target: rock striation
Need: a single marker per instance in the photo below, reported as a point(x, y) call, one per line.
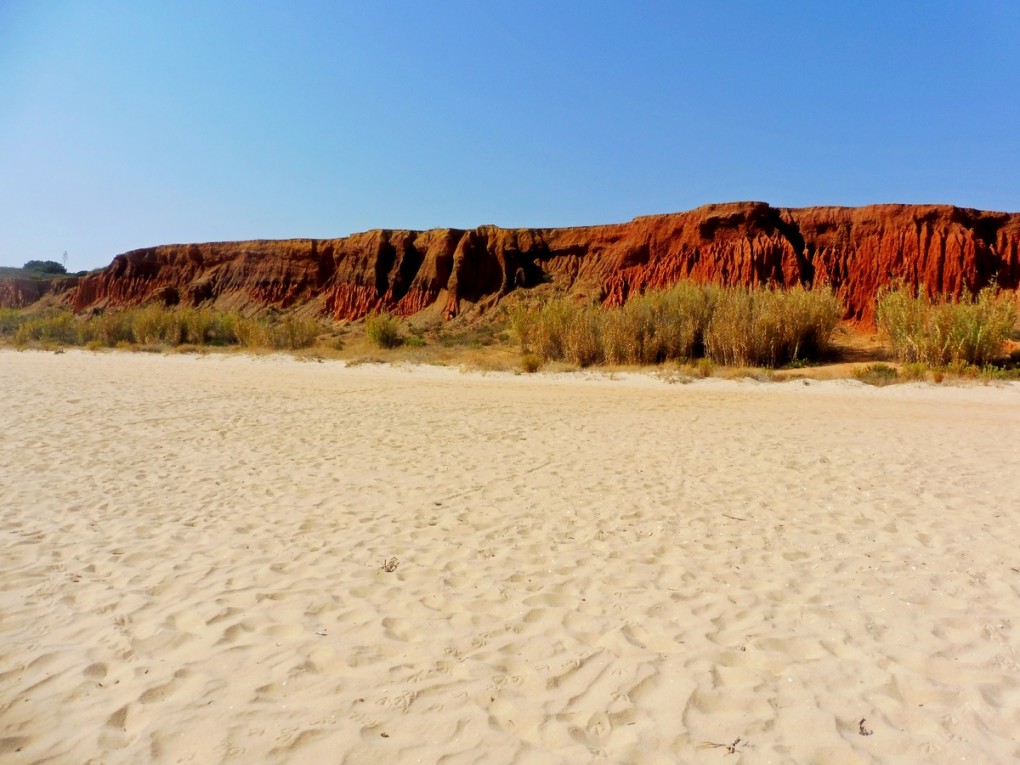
point(856, 250)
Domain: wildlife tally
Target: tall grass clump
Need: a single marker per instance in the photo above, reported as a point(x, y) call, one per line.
point(156, 325)
point(659, 326)
point(744, 327)
point(581, 338)
point(770, 327)
point(941, 333)
point(680, 317)
point(523, 322)
point(287, 333)
point(204, 326)
point(550, 329)
point(249, 331)
point(561, 330)
point(292, 333)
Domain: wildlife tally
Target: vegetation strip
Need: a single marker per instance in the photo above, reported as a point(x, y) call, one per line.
point(694, 327)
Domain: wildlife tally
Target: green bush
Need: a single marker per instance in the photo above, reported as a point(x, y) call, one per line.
point(522, 327)
point(60, 328)
point(45, 267)
point(10, 320)
point(383, 330)
point(939, 333)
point(107, 329)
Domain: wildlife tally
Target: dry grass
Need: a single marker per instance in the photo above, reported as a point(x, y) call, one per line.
point(770, 327)
point(732, 326)
point(940, 333)
point(877, 374)
point(156, 327)
point(693, 331)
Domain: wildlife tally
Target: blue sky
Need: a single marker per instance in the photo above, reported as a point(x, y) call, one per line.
point(129, 124)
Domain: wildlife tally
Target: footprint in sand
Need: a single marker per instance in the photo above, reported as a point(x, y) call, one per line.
point(401, 629)
point(13, 744)
point(181, 682)
point(95, 671)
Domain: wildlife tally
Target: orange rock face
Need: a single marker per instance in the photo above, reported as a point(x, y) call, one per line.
point(855, 250)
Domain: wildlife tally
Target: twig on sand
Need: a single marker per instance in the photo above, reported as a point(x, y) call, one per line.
point(727, 515)
point(730, 748)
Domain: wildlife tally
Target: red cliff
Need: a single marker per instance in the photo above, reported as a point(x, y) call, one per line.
point(949, 250)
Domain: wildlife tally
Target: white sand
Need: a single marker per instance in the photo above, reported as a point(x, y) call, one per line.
point(587, 570)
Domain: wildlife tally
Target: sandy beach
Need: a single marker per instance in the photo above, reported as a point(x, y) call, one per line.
point(236, 559)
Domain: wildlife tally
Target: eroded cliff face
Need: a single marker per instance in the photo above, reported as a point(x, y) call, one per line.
point(856, 250)
point(20, 293)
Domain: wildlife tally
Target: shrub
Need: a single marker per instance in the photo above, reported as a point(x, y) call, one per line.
point(941, 333)
point(45, 267)
point(10, 320)
point(531, 363)
point(812, 317)
point(108, 329)
point(876, 374)
point(54, 328)
point(522, 325)
point(914, 371)
point(704, 368)
point(382, 329)
point(197, 325)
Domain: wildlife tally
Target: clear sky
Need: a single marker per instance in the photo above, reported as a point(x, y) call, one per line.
point(129, 124)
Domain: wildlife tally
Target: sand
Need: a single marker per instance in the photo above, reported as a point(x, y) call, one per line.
point(258, 559)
